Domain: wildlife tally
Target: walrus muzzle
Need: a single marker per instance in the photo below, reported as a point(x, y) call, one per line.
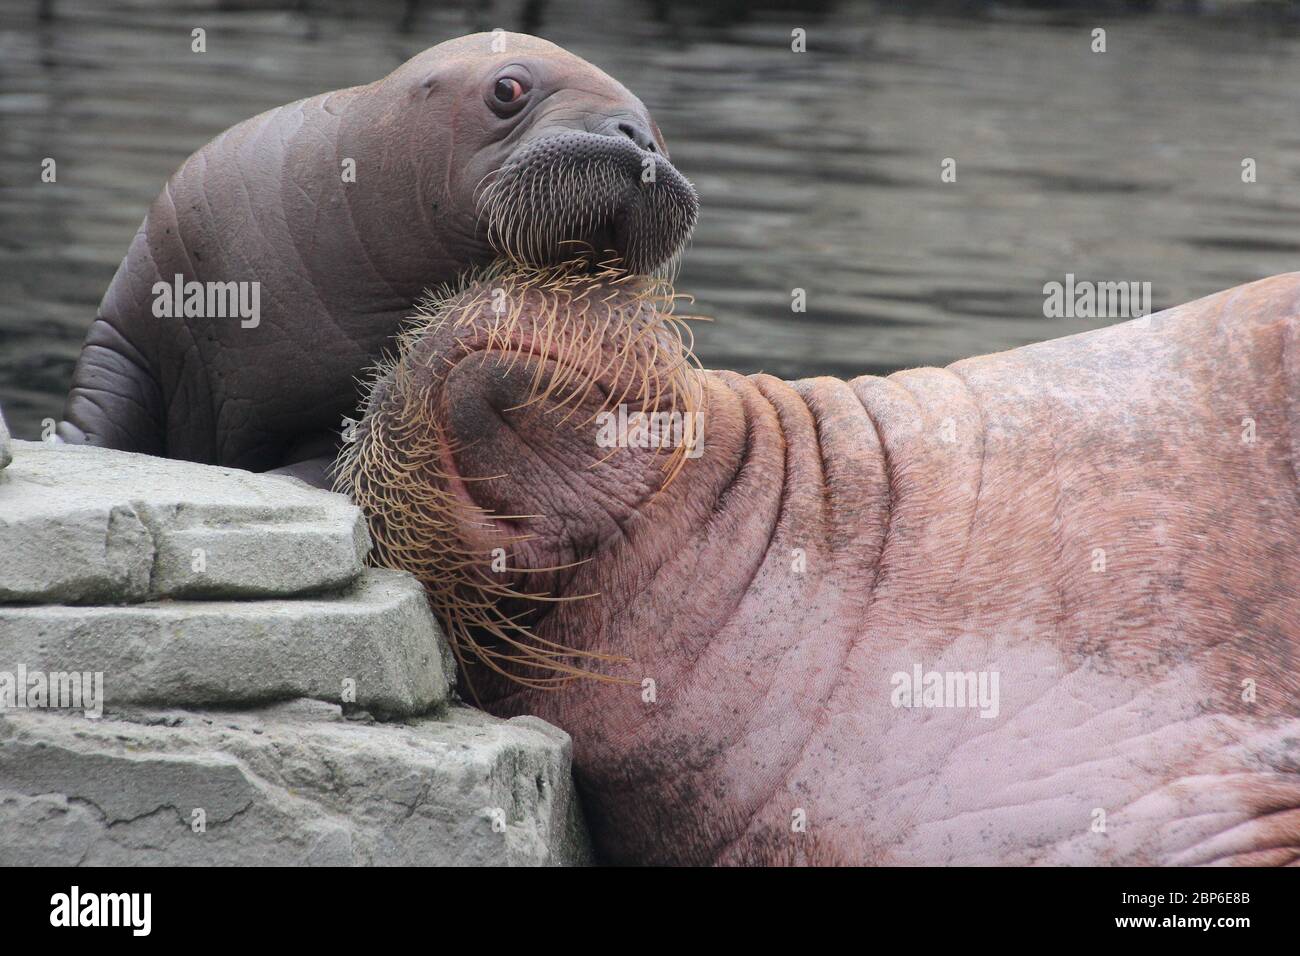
point(570, 189)
point(482, 460)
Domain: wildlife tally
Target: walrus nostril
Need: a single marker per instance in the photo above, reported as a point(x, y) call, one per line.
point(639, 136)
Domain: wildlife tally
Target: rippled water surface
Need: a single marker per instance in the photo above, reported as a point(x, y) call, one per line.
point(817, 171)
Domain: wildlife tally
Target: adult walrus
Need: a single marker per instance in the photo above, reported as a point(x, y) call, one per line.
point(342, 209)
point(1097, 535)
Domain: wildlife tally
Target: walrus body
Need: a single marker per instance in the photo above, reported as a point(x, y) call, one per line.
point(1101, 531)
point(343, 209)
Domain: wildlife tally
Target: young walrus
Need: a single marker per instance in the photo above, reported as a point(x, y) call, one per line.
point(1038, 607)
point(302, 238)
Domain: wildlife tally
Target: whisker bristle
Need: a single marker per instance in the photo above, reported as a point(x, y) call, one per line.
point(585, 332)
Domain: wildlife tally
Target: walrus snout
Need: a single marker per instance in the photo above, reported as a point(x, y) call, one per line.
point(615, 192)
point(507, 441)
point(550, 491)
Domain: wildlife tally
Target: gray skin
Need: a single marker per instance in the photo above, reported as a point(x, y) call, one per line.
point(341, 265)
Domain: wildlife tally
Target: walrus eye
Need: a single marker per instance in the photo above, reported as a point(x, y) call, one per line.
point(508, 90)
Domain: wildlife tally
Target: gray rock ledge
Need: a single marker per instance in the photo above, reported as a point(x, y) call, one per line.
point(87, 525)
point(287, 785)
point(378, 633)
point(245, 652)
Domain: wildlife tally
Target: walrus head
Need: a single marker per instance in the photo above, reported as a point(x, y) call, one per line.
point(546, 156)
point(522, 416)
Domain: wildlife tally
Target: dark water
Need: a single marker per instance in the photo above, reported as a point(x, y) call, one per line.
point(817, 170)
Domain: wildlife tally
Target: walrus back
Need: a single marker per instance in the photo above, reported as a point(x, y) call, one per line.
point(168, 384)
point(115, 400)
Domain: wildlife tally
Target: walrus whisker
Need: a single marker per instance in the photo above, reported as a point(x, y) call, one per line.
point(393, 465)
point(536, 206)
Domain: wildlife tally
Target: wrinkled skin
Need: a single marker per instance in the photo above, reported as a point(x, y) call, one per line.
point(340, 264)
point(953, 519)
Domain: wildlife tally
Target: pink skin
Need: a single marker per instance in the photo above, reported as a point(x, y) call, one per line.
point(951, 519)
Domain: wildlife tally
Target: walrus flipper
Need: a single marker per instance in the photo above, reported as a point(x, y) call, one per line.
point(115, 401)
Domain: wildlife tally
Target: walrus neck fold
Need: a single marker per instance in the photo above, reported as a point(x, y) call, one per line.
point(779, 533)
point(794, 486)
